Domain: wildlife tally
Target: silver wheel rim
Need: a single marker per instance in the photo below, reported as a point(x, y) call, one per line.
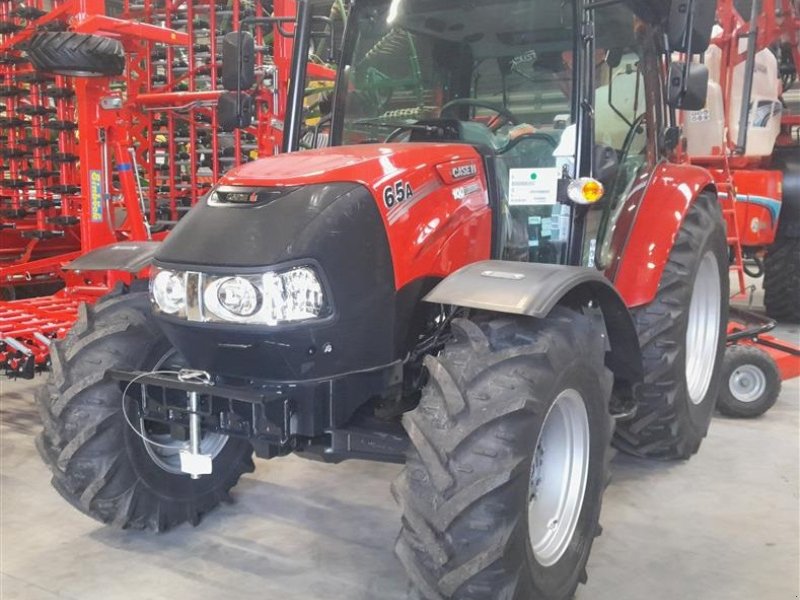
point(747, 383)
point(702, 331)
point(558, 477)
point(165, 452)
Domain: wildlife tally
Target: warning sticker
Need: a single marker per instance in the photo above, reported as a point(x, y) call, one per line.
point(532, 187)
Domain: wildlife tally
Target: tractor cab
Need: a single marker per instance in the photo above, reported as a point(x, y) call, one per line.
point(504, 78)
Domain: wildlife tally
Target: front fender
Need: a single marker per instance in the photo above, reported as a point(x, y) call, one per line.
point(641, 246)
point(129, 257)
point(533, 290)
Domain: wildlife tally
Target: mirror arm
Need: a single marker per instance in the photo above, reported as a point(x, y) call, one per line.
point(744, 116)
point(296, 91)
point(689, 38)
point(611, 100)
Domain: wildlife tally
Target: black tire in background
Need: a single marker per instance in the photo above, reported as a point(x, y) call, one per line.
point(782, 263)
point(99, 464)
point(675, 405)
point(76, 54)
point(466, 490)
point(782, 279)
point(751, 382)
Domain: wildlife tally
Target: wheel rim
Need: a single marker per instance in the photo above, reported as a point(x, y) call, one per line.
point(702, 331)
point(165, 452)
point(558, 477)
point(747, 383)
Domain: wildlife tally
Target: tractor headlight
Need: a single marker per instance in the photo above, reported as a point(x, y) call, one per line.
point(168, 291)
point(271, 298)
point(232, 298)
point(296, 295)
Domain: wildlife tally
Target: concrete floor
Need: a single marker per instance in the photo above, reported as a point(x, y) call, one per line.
point(723, 526)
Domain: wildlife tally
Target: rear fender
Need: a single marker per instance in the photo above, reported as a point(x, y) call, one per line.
point(641, 246)
point(533, 290)
point(129, 257)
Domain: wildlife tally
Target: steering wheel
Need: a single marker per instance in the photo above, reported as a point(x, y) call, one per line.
point(507, 116)
point(545, 137)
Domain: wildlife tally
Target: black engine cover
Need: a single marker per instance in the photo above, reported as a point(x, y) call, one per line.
point(338, 226)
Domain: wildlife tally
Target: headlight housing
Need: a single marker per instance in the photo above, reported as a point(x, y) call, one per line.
point(272, 298)
point(168, 291)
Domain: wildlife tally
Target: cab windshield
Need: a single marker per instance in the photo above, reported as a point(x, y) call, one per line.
point(496, 65)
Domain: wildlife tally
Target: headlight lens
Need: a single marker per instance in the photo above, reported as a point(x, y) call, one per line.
point(271, 298)
point(232, 298)
point(168, 290)
point(296, 295)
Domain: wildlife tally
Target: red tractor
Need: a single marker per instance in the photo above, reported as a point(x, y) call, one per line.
point(493, 270)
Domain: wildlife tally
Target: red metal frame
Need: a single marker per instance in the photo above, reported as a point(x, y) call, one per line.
point(740, 178)
point(164, 122)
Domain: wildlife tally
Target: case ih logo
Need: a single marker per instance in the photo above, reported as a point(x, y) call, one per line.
point(464, 171)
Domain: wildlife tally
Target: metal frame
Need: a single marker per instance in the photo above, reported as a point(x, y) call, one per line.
point(771, 21)
point(147, 148)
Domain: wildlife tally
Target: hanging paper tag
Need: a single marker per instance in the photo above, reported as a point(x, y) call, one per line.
point(533, 187)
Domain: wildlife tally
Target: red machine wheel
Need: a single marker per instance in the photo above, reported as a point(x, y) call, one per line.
point(751, 382)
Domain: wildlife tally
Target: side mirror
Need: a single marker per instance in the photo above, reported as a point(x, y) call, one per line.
point(234, 111)
point(687, 88)
point(606, 164)
point(238, 61)
point(689, 25)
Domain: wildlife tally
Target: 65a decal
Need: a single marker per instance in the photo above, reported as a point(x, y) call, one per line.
point(396, 193)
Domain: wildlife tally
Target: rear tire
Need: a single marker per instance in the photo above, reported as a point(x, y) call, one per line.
point(469, 528)
point(681, 361)
point(751, 382)
point(782, 279)
point(99, 464)
point(76, 54)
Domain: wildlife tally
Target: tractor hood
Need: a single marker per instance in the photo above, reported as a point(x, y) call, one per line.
point(337, 210)
point(371, 165)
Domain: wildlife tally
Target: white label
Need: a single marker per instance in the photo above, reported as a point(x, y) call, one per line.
point(533, 187)
point(195, 464)
point(700, 116)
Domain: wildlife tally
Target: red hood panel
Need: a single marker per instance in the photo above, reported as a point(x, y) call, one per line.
point(369, 164)
point(432, 198)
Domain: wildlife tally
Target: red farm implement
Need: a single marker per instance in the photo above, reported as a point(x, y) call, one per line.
point(88, 161)
point(748, 137)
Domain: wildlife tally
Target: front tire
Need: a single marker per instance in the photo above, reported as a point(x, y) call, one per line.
point(504, 479)
point(99, 464)
point(682, 338)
